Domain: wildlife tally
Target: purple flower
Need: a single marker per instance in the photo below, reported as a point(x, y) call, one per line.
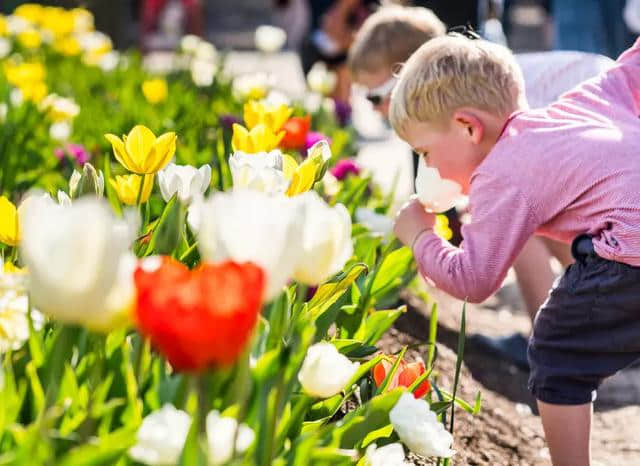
point(227, 121)
point(342, 111)
point(78, 152)
point(59, 153)
point(344, 167)
point(312, 138)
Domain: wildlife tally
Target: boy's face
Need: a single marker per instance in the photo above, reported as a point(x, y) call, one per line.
point(451, 148)
point(378, 87)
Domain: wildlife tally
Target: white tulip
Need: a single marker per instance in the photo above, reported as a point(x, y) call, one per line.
point(189, 43)
point(161, 437)
point(389, 455)
point(374, 221)
point(321, 80)
point(80, 268)
point(187, 181)
point(245, 225)
point(419, 429)
point(206, 51)
point(203, 72)
point(325, 371)
point(14, 315)
point(326, 240)
point(62, 107)
point(435, 193)
point(5, 47)
point(221, 431)
point(254, 85)
point(260, 172)
point(17, 24)
point(63, 198)
point(109, 61)
point(270, 39)
point(60, 130)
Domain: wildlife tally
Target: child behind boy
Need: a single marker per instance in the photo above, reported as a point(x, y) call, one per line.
point(570, 171)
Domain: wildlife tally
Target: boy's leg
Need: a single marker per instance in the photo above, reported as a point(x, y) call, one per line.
point(567, 429)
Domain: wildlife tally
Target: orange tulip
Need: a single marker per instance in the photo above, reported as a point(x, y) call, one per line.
point(406, 374)
point(296, 129)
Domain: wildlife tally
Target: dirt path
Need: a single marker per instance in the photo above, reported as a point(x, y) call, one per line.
point(507, 431)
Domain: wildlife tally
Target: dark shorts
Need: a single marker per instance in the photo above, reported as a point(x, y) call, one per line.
point(587, 330)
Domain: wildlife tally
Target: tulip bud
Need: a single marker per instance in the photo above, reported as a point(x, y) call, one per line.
point(91, 181)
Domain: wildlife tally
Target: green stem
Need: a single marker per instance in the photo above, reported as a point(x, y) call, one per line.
point(145, 347)
point(144, 178)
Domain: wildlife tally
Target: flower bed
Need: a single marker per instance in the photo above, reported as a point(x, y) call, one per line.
point(197, 292)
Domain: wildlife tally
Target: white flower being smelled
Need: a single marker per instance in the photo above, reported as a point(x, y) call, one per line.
point(84, 241)
point(221, 431)
point(321, 80)
point(419, 428)
point(187, 181)
point(260, 172)
point(203, 72)
point(325, 371)
point(436, 194)
point(326, 240)
point(374, 221)
point(60, 131)
point(161, 437)
point(389, 455)
point(270, 39)
point(235, 225)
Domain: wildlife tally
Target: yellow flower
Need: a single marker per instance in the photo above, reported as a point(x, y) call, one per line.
point(31, 12)
point(441, 227)
point(30, 38)
point(9, 226)
point(155, 90)
point(302, 176)
point(20, 74)
point(141, 152)
point(13, 269)
point(68, 46)
point(57, 21)
point(3, 26)
point(259, 139)
point(273, 117)
point(82, 19)
point(128, 186)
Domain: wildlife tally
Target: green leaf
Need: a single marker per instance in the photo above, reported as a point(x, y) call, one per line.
point(433, 330)
point(378, 322)
point(106, 451)
point(383, 432)
point(396, 365)
point(166, 234)
point(391, 271)
point(460, 355)
point(329, 293)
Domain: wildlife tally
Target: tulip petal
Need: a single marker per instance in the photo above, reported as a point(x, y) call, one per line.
point(120, 152)
point(162, 152)
point(139, 144)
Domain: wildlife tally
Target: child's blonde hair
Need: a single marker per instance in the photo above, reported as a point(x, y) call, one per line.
point(390, 36)
point(451, 72)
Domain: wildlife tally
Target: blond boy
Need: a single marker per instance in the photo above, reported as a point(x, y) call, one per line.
point(570, 171)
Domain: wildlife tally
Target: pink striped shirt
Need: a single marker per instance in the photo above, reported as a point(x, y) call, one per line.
point(570, 168)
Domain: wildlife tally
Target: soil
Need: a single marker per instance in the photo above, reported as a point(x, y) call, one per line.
point(507, 431)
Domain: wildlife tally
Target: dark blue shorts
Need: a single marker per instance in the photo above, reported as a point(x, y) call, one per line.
point(587, 330)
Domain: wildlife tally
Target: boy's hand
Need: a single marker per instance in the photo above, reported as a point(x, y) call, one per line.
point(411, 220)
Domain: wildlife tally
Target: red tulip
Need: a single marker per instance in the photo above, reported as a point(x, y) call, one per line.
point(406, 374)
point(296, 129)
point(202, 317)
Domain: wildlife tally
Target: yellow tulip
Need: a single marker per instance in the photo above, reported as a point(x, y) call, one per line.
point(302, 176)
point(20, 74)
point(273, 117)
point(30, 39)
point(68, 46)
point(34, 92)
point(259, 139)
point(82, 19)
point(128, 188)
point(441, 227)
point(32, 12)
point(9, 226)
point(57, 21)
point(3, 26)
point(141, 152)
point(155, 90)
point(14, 269)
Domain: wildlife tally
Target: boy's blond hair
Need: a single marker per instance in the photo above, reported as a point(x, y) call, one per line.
point(391, 35)
point(451, 72)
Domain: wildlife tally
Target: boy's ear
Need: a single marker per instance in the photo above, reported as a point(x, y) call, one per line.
point(470, 125)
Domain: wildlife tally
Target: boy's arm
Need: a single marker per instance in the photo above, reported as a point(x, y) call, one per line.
point(501, 222)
